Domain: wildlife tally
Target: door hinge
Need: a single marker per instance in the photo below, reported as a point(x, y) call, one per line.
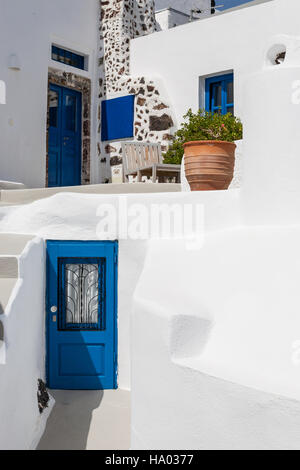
point(116, 258)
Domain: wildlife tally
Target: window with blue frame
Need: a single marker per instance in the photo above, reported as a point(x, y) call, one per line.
point(67, 57)
point(219, 94)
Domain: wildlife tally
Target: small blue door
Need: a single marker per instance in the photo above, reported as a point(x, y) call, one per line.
point(81, 315)
point(64, 139)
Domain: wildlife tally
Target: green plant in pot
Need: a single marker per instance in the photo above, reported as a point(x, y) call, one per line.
point(207, 141)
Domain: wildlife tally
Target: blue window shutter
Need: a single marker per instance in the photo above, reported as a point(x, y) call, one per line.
point(117, 118)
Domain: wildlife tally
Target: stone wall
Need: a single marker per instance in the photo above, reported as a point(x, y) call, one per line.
point(121, 21)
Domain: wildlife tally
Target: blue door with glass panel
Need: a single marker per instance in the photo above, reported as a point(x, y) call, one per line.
point(219, 96)
point(82, 315)
point(64, 137)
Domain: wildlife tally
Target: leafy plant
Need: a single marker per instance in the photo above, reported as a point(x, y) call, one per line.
point(203, 125)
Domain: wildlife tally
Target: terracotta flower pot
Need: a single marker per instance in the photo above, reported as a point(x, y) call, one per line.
point(209, 164)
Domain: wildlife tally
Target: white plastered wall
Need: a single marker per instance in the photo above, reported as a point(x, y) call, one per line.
point(183, 5)
point(27, 30)
point(74, 217)
point(24, 360)
point(222, 43)
point(225, 360)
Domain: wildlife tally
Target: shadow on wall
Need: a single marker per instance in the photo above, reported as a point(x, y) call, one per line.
point(69, 423)
point(189, 335)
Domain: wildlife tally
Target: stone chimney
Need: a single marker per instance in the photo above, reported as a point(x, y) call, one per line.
point(120, 22)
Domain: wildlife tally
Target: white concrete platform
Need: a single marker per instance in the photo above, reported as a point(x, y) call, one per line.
point(88, 420)
point(16, 197)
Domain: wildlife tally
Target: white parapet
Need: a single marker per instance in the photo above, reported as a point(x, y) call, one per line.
point(2, 92)
point(271, 189)
point(215, 343)
point(22, 343)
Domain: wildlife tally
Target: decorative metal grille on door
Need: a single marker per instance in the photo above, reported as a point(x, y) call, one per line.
point(82, 293)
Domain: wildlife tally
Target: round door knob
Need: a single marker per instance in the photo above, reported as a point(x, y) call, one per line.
point(54, 309)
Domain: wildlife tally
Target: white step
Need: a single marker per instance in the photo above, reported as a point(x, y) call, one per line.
point(6, 288)
point(29, 195)
point(11, 247)
point(11, 185)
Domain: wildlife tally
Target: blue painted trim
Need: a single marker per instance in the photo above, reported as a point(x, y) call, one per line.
point(117, 118)
point(219, 79)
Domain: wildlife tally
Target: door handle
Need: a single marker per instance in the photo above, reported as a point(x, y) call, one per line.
point(54, 310)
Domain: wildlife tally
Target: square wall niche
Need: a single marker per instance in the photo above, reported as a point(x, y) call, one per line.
point(117, 118)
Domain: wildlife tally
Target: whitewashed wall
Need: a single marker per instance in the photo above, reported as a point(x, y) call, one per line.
point(224, 334)
point(21, 425)
point(27, 29)
point(222, 43)
point(169, 18)
point(175, 13)
point(183, 5)
point(74, 217)
point(219, 365)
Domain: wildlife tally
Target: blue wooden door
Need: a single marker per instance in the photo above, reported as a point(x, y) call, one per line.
point(81, 315)
point(64, 139)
